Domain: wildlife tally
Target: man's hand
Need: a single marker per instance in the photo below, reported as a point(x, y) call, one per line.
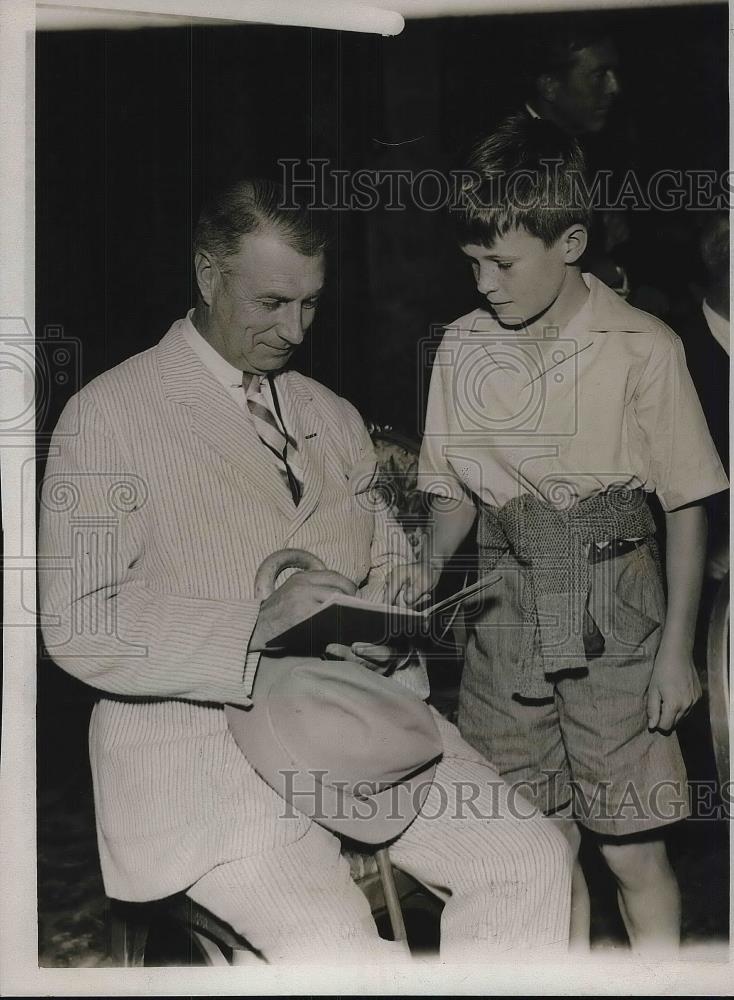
point(378, 658)
point(674, 690)
point(298, 598)
point(408, 584)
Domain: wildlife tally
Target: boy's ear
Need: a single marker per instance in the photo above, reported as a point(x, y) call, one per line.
point(574, 243)
point(206, 275)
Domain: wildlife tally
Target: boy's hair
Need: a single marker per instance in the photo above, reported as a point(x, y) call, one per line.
point(528, 173)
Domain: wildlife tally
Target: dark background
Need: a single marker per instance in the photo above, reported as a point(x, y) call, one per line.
point(133, 128)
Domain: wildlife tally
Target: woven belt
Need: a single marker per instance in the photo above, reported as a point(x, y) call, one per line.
point(617, 547)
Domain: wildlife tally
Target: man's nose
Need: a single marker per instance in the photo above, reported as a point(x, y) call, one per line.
point(292, 328)
point(614, 87)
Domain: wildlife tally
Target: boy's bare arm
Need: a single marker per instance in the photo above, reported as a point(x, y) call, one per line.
point(674, 686)
point(450, 523)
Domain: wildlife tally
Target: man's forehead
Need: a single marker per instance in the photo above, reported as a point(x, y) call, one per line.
point(268, 254)
point(602, 54)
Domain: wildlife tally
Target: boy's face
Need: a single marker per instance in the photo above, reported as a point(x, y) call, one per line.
point(518, 275)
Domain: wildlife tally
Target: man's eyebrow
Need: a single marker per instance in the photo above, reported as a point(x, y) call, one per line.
point(280, 297)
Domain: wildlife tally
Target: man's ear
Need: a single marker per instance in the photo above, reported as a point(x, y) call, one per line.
point(547, 86)
point(574, 243)
point(206, 275)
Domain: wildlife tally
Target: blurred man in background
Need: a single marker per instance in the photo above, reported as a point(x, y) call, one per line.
point(573, 80)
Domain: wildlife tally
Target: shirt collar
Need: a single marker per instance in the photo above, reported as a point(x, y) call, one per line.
point(718, 325)
point(225, 373)
point(608, 312)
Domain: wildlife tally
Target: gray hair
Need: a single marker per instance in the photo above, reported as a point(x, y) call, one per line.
point(250, 206)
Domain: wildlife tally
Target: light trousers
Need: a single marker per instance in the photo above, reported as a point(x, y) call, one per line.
point(503, 870)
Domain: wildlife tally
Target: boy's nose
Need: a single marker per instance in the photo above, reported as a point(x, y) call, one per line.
point(487, 281)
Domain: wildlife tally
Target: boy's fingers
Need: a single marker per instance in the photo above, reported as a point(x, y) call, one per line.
point(395, 587)
point(378, 654)
point(667, 717)
point(335, 651)
point(654, 704)
point(391, 589)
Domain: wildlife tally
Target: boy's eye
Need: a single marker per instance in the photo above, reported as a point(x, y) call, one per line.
point(504, 265)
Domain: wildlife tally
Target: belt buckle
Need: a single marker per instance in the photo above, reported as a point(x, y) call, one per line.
point(615, 547)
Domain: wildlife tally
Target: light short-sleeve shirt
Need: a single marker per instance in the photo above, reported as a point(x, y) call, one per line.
point(606, 401)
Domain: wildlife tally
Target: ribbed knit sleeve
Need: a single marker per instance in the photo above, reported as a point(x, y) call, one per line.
point(101, 621)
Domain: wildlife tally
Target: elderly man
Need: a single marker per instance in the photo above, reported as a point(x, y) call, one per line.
point(171, 478)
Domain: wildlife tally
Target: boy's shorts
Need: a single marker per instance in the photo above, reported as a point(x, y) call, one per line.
point(586, 751)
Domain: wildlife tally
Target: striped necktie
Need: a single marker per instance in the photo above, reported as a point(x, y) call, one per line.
point(268, 420)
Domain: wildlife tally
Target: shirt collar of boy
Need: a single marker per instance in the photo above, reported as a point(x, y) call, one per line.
point(603, 312)
point(607, 312)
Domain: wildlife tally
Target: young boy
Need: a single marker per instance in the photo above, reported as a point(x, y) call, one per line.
point(552, 412)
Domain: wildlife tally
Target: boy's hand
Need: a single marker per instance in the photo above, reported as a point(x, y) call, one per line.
point(377, 658)
point(409, 584)
point(674, 690)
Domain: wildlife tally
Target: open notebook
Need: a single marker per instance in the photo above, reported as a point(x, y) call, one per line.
point(346, 620)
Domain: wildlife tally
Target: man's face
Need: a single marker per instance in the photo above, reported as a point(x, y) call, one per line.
point(263, 300)
point(582, 101)
point(518, 275)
